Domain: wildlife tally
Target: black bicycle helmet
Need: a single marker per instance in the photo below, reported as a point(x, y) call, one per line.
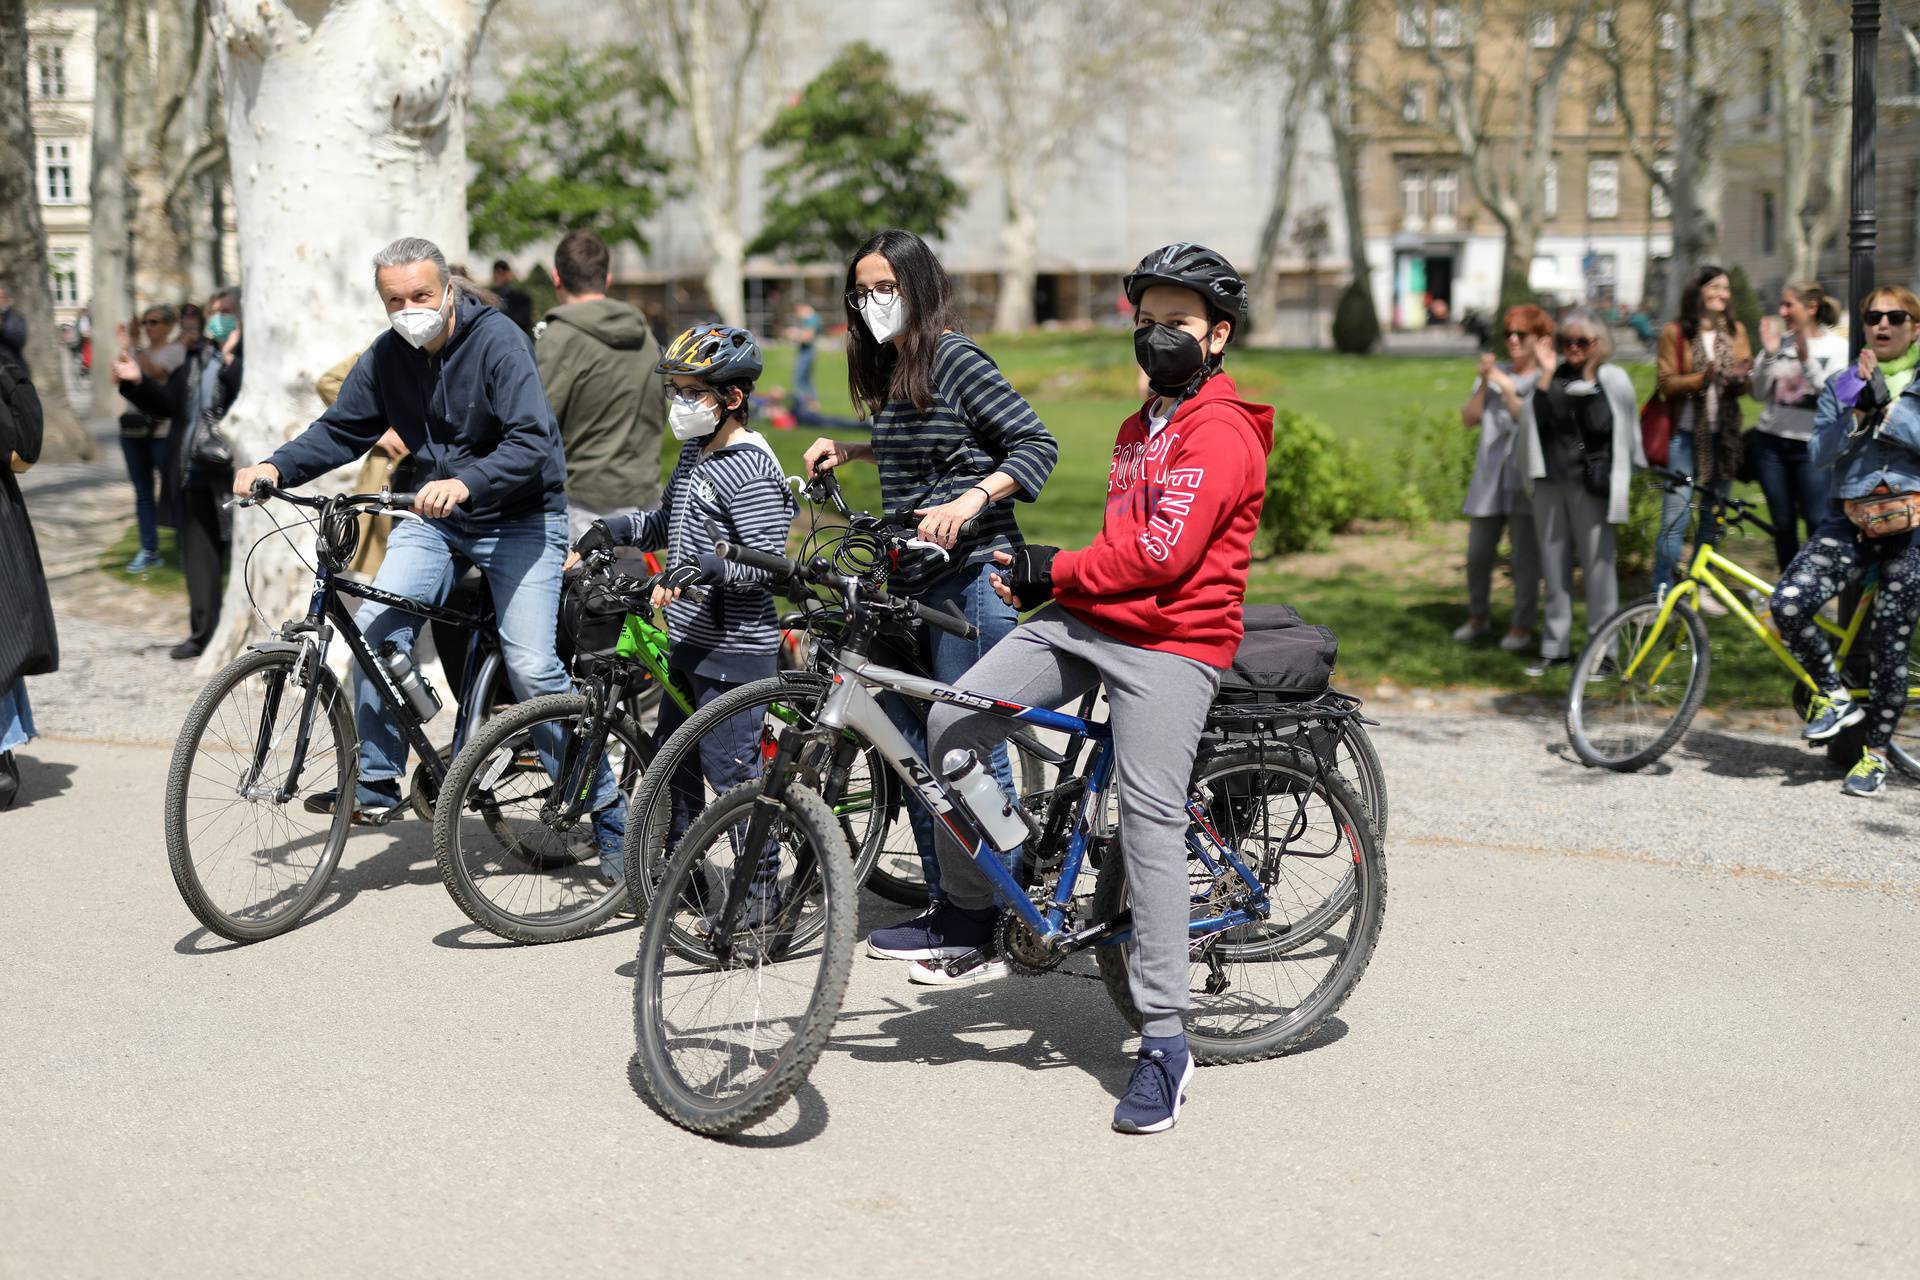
point(1196, 267)
point(715, 354)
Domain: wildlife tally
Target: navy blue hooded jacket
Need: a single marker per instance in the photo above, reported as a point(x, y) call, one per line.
point(474, 412)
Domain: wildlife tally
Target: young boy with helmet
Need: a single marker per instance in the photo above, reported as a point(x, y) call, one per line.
point(728, 478)
point(1152, 610)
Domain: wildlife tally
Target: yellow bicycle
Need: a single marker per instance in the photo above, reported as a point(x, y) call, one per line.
point(1643, 674)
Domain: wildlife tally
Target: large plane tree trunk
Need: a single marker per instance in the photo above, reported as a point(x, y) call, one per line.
point(346, 128)
point(23, 243)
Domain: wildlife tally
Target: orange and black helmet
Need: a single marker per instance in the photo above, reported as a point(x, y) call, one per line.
point(713, 353)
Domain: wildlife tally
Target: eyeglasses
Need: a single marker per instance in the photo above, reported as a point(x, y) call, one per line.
point(857, 297)
point(1570, 343)
point(163, 320)
point(687, 397)
point(1516, 333)
point(1896, 317)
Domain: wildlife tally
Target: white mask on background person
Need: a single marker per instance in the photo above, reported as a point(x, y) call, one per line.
point(421, 325)
point(885, 317)
point(691, 420)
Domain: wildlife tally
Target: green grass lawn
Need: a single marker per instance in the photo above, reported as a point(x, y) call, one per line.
point(168, 579)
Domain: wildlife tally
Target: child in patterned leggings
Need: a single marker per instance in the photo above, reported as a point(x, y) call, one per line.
point(1835, 556)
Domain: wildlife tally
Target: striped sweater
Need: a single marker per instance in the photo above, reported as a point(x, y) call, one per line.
point(975, 425)
point(743, 492)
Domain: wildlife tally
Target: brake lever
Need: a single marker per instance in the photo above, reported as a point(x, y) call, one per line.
point(921, 544)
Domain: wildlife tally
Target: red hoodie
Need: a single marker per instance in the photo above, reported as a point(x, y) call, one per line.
point(1169, 568)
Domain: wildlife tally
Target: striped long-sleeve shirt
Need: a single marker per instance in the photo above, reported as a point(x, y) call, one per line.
point(975, 425)
point(743, 492)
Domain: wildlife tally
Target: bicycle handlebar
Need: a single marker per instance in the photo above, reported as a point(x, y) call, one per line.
point(821, 574)
point(264, 489)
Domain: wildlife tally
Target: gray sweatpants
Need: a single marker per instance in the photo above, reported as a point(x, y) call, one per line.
point(1158, 705)
point(1570, 520)
point(1483, 548)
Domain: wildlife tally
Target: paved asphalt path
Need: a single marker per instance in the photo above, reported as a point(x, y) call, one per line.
point(1659, 1025)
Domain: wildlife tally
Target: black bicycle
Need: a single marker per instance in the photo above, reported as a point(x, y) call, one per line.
point(275, 728)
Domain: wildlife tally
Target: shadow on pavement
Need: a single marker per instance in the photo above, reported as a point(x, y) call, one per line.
point(39, 780)
point(1729, 756)
point(473, 937)
point(204, 942)
point(1593, 775)
point(801, 1119)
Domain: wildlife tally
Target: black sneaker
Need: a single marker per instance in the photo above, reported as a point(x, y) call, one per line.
point(945, 933)
point(1152, 1101)
point(375, 803)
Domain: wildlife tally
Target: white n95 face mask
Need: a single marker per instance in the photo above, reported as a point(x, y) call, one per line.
point(885, 317)
point(421, 325)
point(691, 421)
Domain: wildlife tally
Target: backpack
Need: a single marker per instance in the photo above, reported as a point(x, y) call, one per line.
point(1281, 657)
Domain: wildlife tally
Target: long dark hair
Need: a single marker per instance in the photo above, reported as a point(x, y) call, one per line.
point(1690, 314)
point(878, 372)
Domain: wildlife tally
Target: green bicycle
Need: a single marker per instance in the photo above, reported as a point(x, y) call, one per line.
point(1643, 674)
point(518, 851)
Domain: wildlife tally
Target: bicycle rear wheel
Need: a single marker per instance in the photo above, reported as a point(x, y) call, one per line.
point(723, 1040)
point(1624, 714)
point(1265, 987)
point(248, 862)
point(512, 873)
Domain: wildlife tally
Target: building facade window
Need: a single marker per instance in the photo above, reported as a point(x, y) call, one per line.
point(56, 172)
point(1769, 224)
point(1669, 31)
point(1603, 187)
point(1446, 27)
point(1413, 103)
point(63, 277)
point(1446, 195)
point(1766, 83)
point(1603, 28)
point(1606, 107)
point(1658, 202)
point(1665, 110)
point(1542, 31)
point(1413, 26)
point(50, 67)
point(1550, 191)
point(1413, 196)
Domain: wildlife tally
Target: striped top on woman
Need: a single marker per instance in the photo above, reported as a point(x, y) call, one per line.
point(733, 633)
point(975, 425)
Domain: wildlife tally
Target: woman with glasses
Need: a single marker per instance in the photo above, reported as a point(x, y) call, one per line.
point(1496, 495)
point(1866, 439)
point(953, 442)
point(1581, 429)
point(1704, 362)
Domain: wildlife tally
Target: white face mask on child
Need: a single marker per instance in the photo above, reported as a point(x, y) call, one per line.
point(691, 420)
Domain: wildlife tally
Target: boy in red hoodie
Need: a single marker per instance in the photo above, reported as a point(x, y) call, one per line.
point(1151, 610)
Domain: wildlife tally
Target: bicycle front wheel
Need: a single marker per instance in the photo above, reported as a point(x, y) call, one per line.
point(1263, 988)
point(1637, 686)
point(506, 866)
point(726, 1033)
point(248, 857)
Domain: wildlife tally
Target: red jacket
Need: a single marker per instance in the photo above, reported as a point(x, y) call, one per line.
point(1169, 568)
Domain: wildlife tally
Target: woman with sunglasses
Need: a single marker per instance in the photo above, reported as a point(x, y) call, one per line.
point(953, 442)
point(1704, 363)
point(1496, 495)
point(1581, 429)
point(1867, 436)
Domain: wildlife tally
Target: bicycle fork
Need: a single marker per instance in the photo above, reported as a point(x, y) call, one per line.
point(307, 668)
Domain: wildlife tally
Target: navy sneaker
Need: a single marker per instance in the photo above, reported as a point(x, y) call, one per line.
point(1152, 1101)
point(945, 933)
point(375, 803)
point(1868, 778)
point(1827, 716)
point(610, 838)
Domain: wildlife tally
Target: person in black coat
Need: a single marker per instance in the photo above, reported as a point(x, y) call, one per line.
point(29, 645)
point(200, 389)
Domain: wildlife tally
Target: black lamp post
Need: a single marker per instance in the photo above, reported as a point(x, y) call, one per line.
point(1862, 229)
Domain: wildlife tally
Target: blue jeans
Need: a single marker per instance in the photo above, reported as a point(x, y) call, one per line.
point(729, 753)
point(144, 460)
point(1795, 491)
point(947, 659)
point(521, 561)
point(803, 375)
point(1674, 510)
point(16, 717)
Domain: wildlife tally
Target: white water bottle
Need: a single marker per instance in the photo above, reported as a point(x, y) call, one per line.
point(995, 814)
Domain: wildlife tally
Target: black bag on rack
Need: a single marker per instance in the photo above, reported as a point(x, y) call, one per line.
point(1281, 658)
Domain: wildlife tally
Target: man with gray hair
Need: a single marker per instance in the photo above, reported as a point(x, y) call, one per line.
point(455, 379)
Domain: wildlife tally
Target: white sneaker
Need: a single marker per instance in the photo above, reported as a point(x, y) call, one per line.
point(931, 973)
point(1516, 641)
point(1710, 605)
point(1467, 633)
